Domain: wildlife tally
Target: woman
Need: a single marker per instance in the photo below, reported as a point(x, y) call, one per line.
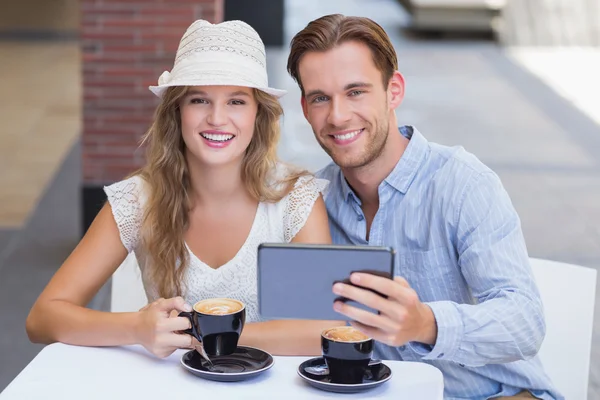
point(211, 191)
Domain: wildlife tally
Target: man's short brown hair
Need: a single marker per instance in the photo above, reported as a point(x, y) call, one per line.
point(332, 30)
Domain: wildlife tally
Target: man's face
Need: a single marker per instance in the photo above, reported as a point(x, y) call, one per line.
point(346, 103)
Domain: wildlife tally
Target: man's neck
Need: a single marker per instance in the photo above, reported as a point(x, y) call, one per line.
point(365, 180)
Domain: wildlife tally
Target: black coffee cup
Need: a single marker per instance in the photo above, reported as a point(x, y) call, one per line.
point(347, 353)
point(218, 324)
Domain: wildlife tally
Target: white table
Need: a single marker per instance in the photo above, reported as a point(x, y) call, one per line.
point(62, 372)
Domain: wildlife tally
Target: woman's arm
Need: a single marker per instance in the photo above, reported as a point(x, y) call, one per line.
point(60, 313)
point(295, 337)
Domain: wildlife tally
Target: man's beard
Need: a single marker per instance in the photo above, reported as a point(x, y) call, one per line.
point(371, 151)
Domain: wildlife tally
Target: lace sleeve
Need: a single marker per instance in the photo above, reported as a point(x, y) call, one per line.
point(299, 203)
point(125, 198)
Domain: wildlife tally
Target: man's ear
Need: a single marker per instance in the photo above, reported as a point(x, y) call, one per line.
point(304, 106)
point(396, 90)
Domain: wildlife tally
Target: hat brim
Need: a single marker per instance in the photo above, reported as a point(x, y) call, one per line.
point(160, 90)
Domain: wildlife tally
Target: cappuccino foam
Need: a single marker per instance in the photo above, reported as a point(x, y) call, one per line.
point(218, 306)
point(345, 334)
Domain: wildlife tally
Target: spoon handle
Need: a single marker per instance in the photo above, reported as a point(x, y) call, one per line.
point(202, 352)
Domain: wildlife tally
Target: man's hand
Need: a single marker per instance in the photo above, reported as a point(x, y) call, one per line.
point(402, 317)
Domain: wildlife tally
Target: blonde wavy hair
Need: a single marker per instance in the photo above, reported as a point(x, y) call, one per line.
point(168, 187)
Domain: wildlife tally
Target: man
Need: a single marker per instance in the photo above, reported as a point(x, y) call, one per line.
point(464, 299)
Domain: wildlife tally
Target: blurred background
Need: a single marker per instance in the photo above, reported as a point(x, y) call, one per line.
point(514, 82)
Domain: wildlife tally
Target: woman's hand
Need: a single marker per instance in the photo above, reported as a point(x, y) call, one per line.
point(158, 332)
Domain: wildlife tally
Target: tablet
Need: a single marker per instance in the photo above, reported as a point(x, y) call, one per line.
point(295, 280)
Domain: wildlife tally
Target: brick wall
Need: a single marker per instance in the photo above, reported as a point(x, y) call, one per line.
point(126, 45)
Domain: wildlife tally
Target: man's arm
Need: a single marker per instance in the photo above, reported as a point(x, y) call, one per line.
point(506, 325)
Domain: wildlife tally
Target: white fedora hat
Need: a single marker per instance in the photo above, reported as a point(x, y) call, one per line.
point(230, 53)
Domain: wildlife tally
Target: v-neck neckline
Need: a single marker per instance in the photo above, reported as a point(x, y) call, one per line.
point(240, 250)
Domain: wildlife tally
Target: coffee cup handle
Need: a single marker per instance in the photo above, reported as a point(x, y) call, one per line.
point(191, 331)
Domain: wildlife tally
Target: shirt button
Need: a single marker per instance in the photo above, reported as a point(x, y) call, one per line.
point(360, 217)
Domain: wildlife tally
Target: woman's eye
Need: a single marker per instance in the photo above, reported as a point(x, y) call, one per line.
point(198, 101)
point(238, 102)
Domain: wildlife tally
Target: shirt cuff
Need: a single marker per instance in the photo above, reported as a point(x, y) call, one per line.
point(450, 330)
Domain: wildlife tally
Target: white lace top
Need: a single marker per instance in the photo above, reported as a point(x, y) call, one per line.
point(274, 222)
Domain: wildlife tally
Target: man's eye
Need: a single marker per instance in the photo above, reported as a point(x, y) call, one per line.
point(356, 92)
point(319, 99)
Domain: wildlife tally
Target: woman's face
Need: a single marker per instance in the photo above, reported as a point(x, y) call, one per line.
point(217, 123)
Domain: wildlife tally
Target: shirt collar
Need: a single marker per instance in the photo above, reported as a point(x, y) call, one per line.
point(404, 172)
point(346, 189)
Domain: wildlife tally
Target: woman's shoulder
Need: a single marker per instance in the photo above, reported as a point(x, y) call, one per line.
point(131, 183)
point(303, 189)
point(127, 199)
point(295, 178)
point(129, 190)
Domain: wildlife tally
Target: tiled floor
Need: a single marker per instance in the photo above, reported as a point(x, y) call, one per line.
point(466, 92)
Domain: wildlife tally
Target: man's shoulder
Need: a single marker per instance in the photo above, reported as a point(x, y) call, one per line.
point(329, 172)
point(457, 158)
point(452, 173)
point(456, 169)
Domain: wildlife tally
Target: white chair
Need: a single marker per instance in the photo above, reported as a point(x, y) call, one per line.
point(127, 290)
point(569, 295)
